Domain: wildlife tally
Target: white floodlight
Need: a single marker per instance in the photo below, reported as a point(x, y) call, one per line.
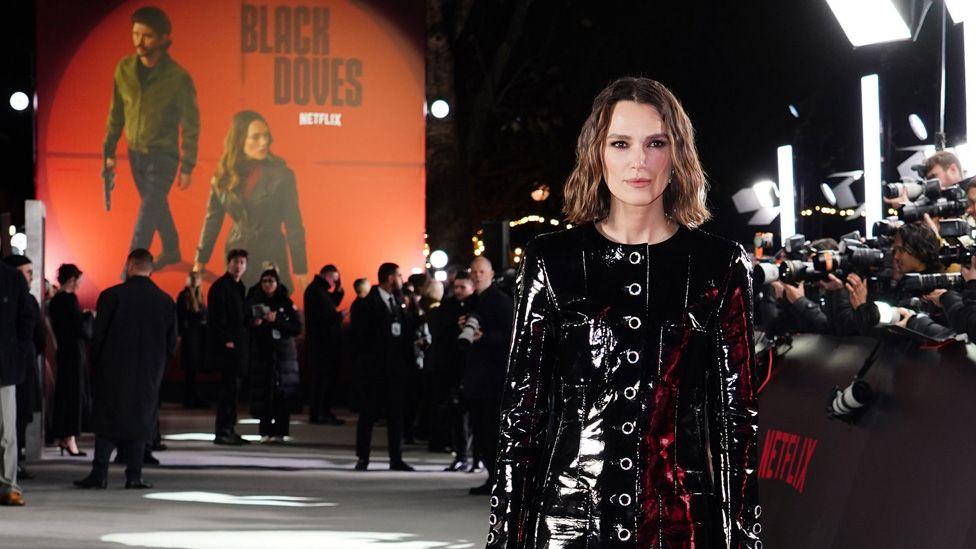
point(787, 207)
point(918, 127)
point(440, 109)
point(438, 259)
point(871, 134)
point(19, 101)
point(870, 21)
point(766, 193)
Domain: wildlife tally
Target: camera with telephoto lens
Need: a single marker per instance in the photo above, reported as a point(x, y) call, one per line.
point(951, 253)
point(797, 247)
point(930, 188)
point(861, 260)
point(850, 402)
point(923, 283)
point(939, 208)
point(794, 271)
point(764, 272)
point(260, 310)
point(472, 323)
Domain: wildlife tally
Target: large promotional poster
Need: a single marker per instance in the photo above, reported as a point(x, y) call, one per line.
point(291, 129)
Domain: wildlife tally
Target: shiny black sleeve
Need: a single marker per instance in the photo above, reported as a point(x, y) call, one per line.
point(733, 414)
point(525, 405)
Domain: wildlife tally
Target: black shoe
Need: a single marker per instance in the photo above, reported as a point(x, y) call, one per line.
point(400, 466)
point(166, 259)
point(149, 459)
point(137, 484)
point(23, 473)
point(230, 440)
point(482, 490)
point(159, 447)
point(362, 465)
point(475, 467)
point(91, 482)
point(456, 465)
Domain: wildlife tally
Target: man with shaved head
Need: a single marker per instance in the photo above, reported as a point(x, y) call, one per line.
point(487, 356)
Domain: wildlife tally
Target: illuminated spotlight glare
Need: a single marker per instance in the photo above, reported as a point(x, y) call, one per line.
point(293, 539)
point(12, 230)
point(871, 136)
point(794, 112)
point(960, 10)
point(19, 241)
point(416, 270)
point(918, 127)
point(203, 437)
point(230, 499)
point(828, 193)
point(766, 193)
point(966, 155)
point(438, 259)
point(787, 199)
point(440, 276)
point(19, 101)
point(440, 109)
point(868, 22)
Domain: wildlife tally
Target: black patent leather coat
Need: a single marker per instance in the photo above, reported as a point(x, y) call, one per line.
point(629, 417)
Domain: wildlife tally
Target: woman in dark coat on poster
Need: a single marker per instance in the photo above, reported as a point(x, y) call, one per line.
point(72, 331)
point(629, 414)
point(259, 193)
point(274, 379)
point(191, 321)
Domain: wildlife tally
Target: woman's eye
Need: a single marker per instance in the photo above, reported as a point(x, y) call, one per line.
point(618, 144)
point(658, 143)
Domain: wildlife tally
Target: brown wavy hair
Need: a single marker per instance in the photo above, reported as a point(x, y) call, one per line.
point(228, 174)
point(586, 195)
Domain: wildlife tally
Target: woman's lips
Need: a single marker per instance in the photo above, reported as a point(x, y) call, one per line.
point(637, 183)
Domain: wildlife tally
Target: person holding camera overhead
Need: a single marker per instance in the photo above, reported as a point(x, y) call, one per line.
point(273, 365)
point(488, 330)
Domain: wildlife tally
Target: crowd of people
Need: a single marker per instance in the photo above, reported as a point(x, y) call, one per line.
point(429, 362)
point(851, 305)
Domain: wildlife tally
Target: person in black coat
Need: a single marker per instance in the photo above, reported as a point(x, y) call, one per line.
point(484, 370)
point(191, 320)
point(323, 340)
point(16, 327)
point(273, 374)
point(72, 330)
point(385, 349)
point(227, 343)
point(28, 390)
point(133, 340)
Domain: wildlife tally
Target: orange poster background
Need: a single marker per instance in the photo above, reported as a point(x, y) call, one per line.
point(361, 185)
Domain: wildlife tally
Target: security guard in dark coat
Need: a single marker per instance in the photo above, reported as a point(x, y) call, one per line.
point(133, 339)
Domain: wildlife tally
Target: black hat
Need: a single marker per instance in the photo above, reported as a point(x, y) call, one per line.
point(153, 17)
point(17, 260)
point(68, 271)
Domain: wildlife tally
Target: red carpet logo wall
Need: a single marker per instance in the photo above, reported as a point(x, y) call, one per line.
point(340, 86)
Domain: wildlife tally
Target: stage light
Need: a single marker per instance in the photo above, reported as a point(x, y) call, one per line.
point(787, 207)
point(794, 112)
point(19, 241)
point(440, 109)
point(868, 22)
point(19, 101)
point(416, 270)
point(440, 276)
point(871, 135)
point(438, 259)
point(969, 64)
point(918, 127)
point(766, 193)
point(960, 10)
point(828, 194)
point(540, 193)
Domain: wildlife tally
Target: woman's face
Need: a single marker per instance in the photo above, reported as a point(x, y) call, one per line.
point(905, 262)
point(258, 140)
point(636, 154)
point(269, 285)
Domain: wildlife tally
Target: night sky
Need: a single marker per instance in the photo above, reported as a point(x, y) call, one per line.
point(736, 66)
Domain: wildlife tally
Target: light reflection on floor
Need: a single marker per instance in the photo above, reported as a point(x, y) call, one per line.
point(230, 499)
point(207, 437)
point(292, 539)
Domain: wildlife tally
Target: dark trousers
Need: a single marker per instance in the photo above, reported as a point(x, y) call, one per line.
point(377, 395)
point(154, 175)
point(130, 449)
point(226, 420)
point(325, 370)
point(457, 419)
point(484, 416)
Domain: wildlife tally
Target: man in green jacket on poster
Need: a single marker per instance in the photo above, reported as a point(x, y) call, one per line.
point(153, 100)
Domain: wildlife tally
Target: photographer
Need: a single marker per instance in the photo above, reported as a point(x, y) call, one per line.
point(490, 328)
point(785, 308)
point(959, 307)
point(915, 250)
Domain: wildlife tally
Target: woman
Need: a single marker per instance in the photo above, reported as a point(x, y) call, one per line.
point(258, 191)
point(191, 318)
point(629, 417)
point(72, 330)
point(274, 359)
